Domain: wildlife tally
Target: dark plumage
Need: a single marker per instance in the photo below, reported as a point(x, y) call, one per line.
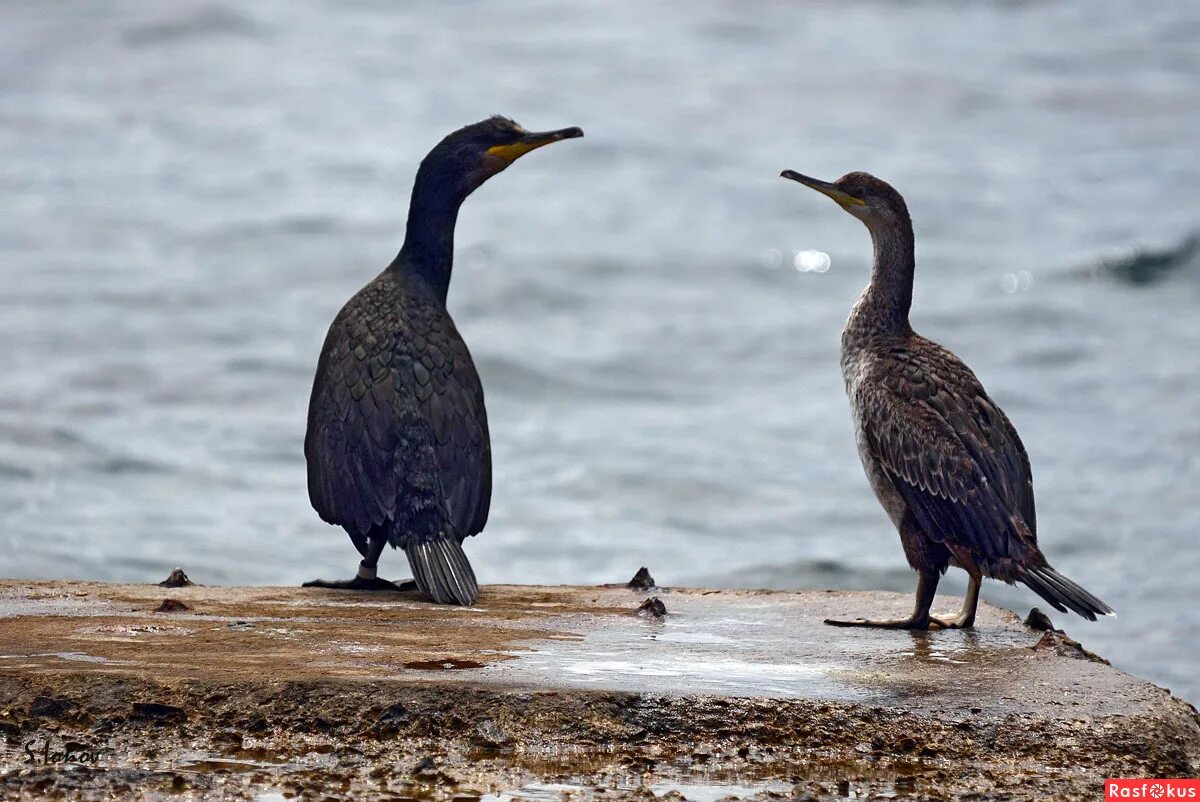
point(943, 459)
point(397, 443)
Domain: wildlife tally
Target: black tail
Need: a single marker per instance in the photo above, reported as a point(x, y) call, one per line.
point(442, 571)
point(1062, 593)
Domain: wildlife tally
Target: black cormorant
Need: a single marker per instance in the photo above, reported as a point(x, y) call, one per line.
point(941, 456)
point(397, 443)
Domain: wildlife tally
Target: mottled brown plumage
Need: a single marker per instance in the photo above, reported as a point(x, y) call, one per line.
point(943, 459)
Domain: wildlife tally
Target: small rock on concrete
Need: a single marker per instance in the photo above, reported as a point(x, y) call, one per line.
point(641, 580)
point(1039, 621)
point(652, 608)
point(156, 711)
point(177, 579)
point(49, 707)
point(1060, 643)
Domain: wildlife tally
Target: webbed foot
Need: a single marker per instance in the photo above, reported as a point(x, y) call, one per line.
point(359, 583)
point(912, 622)
point(960, 621)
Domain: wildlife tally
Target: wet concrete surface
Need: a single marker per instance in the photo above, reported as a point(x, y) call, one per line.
point(546, 692)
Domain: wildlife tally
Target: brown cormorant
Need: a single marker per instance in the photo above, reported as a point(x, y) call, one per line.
point(397, 443)
point(941, 456)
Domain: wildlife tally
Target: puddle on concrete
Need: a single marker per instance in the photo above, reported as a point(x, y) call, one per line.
point(700, 648)
point(80, 657)
point(694, 650)
point(712, 675)
point(942, 658)
point(773, 646)
point(690, 637)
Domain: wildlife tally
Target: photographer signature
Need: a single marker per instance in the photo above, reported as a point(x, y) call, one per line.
point(72, 752)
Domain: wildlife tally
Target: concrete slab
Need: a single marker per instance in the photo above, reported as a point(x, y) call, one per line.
point(240, 692)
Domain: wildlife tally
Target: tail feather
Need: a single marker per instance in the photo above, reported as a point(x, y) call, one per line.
point(442, 571)
point(1062, 593)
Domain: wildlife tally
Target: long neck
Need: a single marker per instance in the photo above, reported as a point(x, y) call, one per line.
point(888, 297)
point(428, 249)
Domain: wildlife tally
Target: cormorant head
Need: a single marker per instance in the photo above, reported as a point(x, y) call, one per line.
point(473, 154)
point(868, 198)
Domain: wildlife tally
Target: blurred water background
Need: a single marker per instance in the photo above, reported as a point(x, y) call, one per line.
point(189, 191)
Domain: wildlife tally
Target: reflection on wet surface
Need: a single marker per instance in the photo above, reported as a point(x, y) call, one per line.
point(772, 647)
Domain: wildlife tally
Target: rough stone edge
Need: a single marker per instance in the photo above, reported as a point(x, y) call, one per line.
point(1164, 742)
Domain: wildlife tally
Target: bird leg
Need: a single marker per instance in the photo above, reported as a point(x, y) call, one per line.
point(366, 578)
point(920, 619)
point(966, 616)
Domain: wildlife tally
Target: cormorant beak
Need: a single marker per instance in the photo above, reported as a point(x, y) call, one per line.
point(825, 188)
point(531, 141)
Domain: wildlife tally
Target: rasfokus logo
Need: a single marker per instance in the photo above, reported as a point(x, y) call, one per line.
point(1151, 789)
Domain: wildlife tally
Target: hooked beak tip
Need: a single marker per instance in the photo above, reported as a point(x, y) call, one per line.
point(807, 181)
point(825, 188)
point(538, 139)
